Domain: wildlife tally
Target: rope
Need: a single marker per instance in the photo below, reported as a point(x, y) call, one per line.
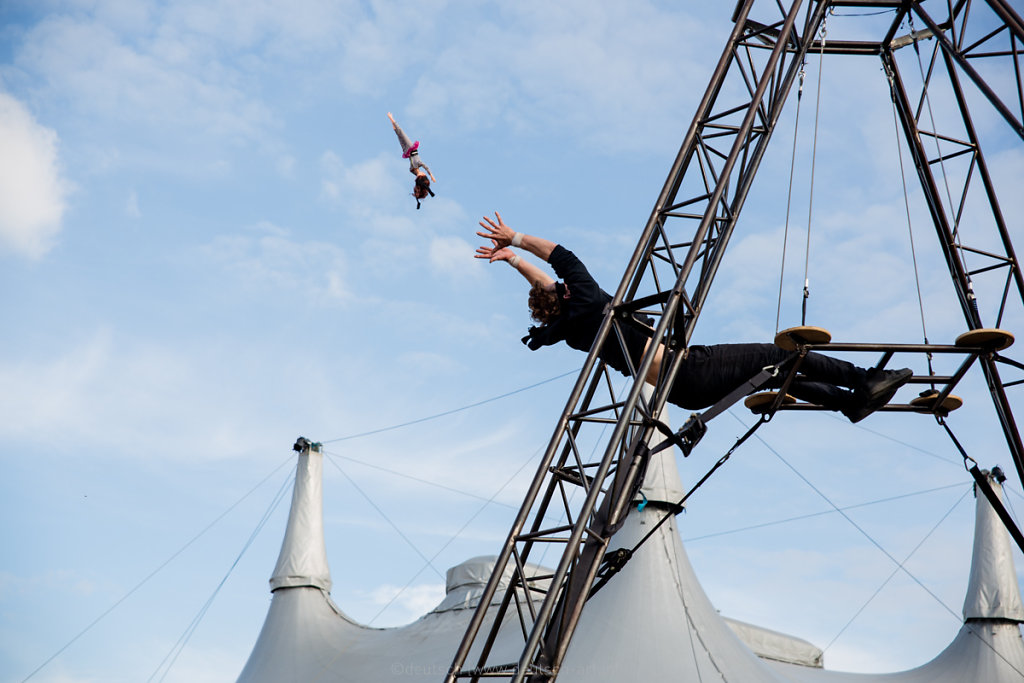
point(906, 444)
point(971, 465)
point(685, 439)
point(418, 480)
point(981, 483)
point(326, 666)
point(386, 518)
point(454, 536)
point(819, 514)
point(428, 561)
point(910, 227)
point(897, 569)
point(942, 165)
point(789, 193)
point(153, 573)
point(452, 411)
point(822, 33)
point(179, 646)
point(857, 527)
point(1009, 504)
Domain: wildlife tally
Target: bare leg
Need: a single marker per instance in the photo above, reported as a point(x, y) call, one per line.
point(652, 373)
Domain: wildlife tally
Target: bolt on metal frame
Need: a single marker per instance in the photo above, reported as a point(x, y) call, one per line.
point(670, 273)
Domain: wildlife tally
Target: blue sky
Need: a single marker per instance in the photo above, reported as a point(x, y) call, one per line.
point(208, 249)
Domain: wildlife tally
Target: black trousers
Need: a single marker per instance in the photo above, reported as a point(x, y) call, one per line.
point(709, 373)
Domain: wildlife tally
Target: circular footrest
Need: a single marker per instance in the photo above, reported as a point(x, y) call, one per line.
point(760, 403)
point(792, 337)
point(990, 338)
point(927, 401)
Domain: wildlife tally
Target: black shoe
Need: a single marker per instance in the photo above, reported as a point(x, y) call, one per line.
point(855, 415)
point(881, 386)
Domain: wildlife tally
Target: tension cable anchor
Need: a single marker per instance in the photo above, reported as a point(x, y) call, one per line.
point(614, 561)
point(690, 434)
point(611, 564)
point(981, 483)
point(686, 438)
point(304, 444)
point(695, 428)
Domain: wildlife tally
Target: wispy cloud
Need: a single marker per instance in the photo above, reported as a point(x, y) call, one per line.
point(268, 259)
point(33, 193)
point(64, 580)
point(141, 74)
point(452, 257)
point(566, 77)
point(364, 184)
point(131, 205)
point(105, 390)
point(405, 605)
point(187, 73)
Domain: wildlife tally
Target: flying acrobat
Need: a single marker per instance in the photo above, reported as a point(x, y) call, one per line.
point(572, 310)
point(410, 151)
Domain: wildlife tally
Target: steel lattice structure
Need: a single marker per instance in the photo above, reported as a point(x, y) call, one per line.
point(670, 273)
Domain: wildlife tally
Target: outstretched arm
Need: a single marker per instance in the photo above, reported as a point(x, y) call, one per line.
point(504, 236)
point(529, 271)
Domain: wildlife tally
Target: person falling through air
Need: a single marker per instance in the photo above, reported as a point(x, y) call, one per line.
point(410, 151)
point(572, 310)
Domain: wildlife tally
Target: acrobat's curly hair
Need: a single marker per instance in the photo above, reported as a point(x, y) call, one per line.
point(545, 306)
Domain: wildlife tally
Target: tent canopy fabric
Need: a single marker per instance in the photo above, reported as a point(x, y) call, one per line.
point(654, 609)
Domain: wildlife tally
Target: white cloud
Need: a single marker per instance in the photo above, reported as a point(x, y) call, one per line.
point(605, 72)
point(131, 206)
point(83, 391)
point(32, 191)
point(64, 580)
point(453, 257)
point(190, 71)
point(286, 166)
point(144, 74)
point(315, 271)
point(375, 194)
point(361, 185)
point(106, 391)
point(404, 605)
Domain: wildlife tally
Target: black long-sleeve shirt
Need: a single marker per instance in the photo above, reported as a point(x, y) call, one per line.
point(583, 304)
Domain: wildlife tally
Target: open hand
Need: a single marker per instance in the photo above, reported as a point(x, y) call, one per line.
point(499, 233)
point(494, 253)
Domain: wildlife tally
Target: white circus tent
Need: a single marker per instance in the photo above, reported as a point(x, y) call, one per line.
point(651, 622)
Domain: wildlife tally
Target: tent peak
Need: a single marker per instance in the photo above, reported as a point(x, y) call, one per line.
point(992, 591)
point(303, 558)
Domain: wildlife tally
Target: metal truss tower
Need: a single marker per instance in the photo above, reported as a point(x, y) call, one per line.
point(670, 273)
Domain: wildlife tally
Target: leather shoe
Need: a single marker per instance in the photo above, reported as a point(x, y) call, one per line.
point(881, 386)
